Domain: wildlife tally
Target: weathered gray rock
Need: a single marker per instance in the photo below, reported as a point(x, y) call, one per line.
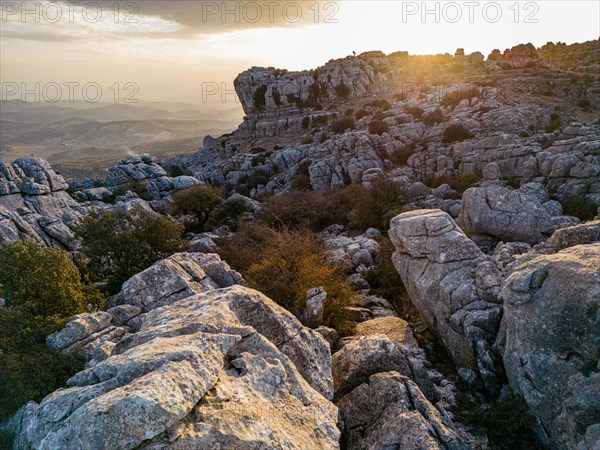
point(77, 328)
point(585, 233)
point(174, 278)
point(34, 205)
point(550, 339)
point(389, 411)
point(454, 286)
point(505, 214)
point(314, 307)
point(223, 369)
point(363, 356)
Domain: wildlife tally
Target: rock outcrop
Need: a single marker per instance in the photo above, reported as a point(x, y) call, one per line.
point(455, 287)
point(550, 340)
point(224, 369)
point(34, 204)
point(524, 215)
point(92, 336)
point(389, 411)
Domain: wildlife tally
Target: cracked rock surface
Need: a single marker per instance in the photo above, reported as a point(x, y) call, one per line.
point(549, 340)
point(227, 368)
point(456, 288)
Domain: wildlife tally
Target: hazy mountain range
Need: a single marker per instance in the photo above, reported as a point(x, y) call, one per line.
point(101, 133)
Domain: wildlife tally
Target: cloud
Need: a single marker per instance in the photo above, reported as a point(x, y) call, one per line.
point(215, 17)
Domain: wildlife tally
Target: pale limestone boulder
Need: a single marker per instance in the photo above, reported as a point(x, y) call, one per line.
point(225, 369)
point(454, 286)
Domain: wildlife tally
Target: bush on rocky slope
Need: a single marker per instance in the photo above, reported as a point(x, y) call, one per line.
point(199, 201)
point(578, 207)
point(456, 132)
point(284, 264)
point(120, 244)
point(303, 210)
point(378, 127)
point(42, 289)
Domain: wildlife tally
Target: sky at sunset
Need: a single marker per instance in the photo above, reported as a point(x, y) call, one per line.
point(171, 49)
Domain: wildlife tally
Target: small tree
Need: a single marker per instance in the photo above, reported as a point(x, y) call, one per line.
point(42, 281)
point(121, 244)
point(199, 201)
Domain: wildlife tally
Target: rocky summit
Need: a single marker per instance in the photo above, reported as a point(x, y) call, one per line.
point(390, 252)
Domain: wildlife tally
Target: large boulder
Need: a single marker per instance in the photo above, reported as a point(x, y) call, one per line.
point(389, 411)
point(225, 369)
point(454, 286)
point(175, 278)
point(507, 214)
point(550, 341)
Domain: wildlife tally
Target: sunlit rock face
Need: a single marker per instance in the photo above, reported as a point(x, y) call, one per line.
point(226, 368)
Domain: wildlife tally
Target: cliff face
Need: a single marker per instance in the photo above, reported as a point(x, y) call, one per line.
point(268, 89)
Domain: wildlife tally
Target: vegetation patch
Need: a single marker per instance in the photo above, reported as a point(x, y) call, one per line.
point(456, 132)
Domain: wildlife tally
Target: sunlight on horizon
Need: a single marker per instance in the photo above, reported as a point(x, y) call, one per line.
point(156, 53)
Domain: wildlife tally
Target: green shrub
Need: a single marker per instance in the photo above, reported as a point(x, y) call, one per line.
point(121, 244)
point(301, 180)
point(400, 157)
point(434, 117)
point(554, 123)
point(456, 132)
point(42, 289)
point(584, 103)
point(341, 125)
point(361, 113)
point(342, 91)
point(259, 97)
point(199, 201)
point(578, 207)
point(371, 206)
point(378, 127)
point(381, 104)
point(229, 213)
point(260, 176)
point(42, 281)
point(33, 374)
point(415, 111)
point(6, 441)
point(303, 210)
point(307, 139)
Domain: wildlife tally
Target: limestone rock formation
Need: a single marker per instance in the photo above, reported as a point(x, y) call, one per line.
point(224, 369)
point(454, 286)
point(174, 278)
point(34, 204)
point(549, 340)
point(508, 214)
point(389, 411)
